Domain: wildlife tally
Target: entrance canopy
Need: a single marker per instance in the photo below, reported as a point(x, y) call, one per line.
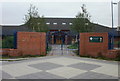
point(61, 37)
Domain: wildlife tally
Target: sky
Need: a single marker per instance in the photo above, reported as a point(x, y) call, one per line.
point(119, 14)
point(12, 12)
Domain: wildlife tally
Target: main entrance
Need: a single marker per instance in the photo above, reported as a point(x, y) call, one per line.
point(61, 37)
point(59, 42)
point(58, 39)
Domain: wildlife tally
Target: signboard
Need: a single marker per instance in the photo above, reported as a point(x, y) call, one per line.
point(95, 39)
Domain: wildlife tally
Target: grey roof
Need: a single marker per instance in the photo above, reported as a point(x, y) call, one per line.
point(10, 30)
point(117, 33)
point(101, 28)
point(59, 22)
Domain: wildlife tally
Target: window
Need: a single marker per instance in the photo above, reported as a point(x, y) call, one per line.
point(63, 23)
point(47, 23)
point(70, 23)
point(55, 23)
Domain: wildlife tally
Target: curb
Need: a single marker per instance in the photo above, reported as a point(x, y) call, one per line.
point(14, 59)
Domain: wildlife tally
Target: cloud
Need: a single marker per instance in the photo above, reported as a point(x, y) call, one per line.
point(13, 12)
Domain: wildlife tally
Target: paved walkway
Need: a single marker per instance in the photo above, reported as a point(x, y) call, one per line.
point(60, 67)
point(57, 51)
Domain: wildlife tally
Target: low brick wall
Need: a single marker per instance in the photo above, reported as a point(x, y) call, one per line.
point(4, 51)
point(112, 54)
point(15, 52)
point(10, 52)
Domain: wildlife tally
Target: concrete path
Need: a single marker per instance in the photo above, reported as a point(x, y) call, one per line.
point(58, 51)
point(60, 67)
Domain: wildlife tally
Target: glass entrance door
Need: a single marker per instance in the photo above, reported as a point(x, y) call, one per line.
point(58, 40)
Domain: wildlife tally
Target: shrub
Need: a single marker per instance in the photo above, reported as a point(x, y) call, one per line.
point(118, 56)
point(73, 46)
point(49, 49)
point(8, 42)
point(118, 42)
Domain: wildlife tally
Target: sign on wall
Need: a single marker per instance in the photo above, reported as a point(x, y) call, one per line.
point(95, 39)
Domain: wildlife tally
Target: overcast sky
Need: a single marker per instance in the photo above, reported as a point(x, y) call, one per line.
point(13, 12)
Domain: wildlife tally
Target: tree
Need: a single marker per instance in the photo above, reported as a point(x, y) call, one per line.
point(82, 21)
point(34, 22)
point(42, 27)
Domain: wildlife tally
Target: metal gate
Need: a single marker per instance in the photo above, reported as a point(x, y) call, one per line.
point(110, 40)
point(15, 40)
point(58, 43)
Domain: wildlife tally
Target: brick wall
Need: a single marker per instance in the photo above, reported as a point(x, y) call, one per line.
point(96, 49)
point(92, 48)
point(4, 51)
point(111, 53)
point(116, 39)
point(28, 43)
point(31, 43)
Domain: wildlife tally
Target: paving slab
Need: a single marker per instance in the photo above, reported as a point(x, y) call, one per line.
point(93, 75)
point(84, 66)
point(60, 66)
point(6, 75)
point(66, 72)
point(45, 66)
point(40, 75)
